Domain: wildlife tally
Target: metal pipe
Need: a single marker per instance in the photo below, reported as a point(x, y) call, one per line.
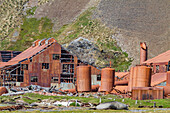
point(168, 66)
point(13, 69)
point(143, 52)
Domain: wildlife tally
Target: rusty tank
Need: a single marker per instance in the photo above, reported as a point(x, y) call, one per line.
point(166, 90)
point(83, 78)
point(107, 79)
point(140, 76)
point(3, 90)
point(130, 79)
point(168, 78)
point(143, 52)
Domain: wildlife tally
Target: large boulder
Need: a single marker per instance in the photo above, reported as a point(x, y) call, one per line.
point(85, 50)
point(112, 105)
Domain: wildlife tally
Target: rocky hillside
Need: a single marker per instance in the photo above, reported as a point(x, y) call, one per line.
point(112, 29)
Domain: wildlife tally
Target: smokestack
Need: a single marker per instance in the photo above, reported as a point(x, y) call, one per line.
point(143, 52)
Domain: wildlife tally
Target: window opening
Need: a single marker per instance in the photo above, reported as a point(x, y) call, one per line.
point(56, 56)
point(45, 65)
point(98, 77)
point(34, 79)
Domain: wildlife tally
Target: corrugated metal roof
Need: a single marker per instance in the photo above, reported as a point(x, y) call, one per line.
point(2, 64)
point(121, 74)
point(158, 78)
point(122, 89)
point(164, 57)
point(122, 82)
point(25, 54)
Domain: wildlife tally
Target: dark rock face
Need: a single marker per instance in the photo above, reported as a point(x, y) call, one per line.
point(138, 20)
point(112, 105)
point(84, 49)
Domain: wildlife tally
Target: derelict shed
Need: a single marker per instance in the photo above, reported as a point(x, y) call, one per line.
point(5, 56)
point(45, 63)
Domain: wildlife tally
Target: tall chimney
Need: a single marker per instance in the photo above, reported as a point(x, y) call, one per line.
point(143, 52)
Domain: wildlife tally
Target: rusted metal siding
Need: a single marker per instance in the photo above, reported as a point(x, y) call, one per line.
point(55, 66)
point(95, 71)
point(168, 79)
point(83, 78)
point(35, 67)
point(130, 79)
point(143, 52)
point(166, 90)
point(140, 76)
point(147, 93)
point(107, 79)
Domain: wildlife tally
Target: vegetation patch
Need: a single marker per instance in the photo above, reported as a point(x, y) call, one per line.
point(84, 26)
point(31, 11)
point(101, 36)
point(31, 30)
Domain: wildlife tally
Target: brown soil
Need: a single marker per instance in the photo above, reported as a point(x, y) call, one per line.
point(61, 11)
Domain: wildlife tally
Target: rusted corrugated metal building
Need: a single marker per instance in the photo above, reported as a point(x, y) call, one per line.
point(45, 63)
point(159, 79)
point(160, 66)
point(5, 56)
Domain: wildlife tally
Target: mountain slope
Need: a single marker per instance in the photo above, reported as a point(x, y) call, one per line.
point(114, 27)
point(138, 20)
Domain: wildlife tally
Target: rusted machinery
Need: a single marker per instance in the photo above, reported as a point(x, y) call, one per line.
point(140, 76)
point(147, 93)
point(107, 79)
point(3, 90)
point(143, 52)
point(83, 78)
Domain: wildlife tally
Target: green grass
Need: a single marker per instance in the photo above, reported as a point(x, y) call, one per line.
point(132, 106)
point(31, 30)
point(35, 98)
point(31, 11)
point(87, 111)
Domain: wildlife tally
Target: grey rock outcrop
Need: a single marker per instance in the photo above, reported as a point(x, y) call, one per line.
point(84, 49)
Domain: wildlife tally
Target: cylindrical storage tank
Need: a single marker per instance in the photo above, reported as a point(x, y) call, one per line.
point(168, 78)
point(107, 79)
point(140, 76)
point(143, 52)
point(166, 90)
point(143, 76)
point(3, 90)
point(130, 79)
point(83, 78)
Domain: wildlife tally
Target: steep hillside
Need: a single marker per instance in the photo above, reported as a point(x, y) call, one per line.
point(113, 28)
point(61, 12)
point(138, 20)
